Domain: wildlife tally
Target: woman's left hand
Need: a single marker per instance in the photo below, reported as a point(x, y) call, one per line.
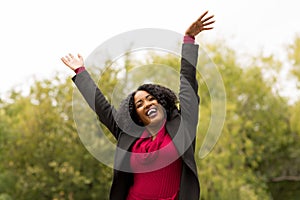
point(200, 25)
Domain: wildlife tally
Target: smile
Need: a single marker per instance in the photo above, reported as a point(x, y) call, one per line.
point(152, 112)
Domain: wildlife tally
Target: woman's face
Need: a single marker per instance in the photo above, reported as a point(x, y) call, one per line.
point(149, 111)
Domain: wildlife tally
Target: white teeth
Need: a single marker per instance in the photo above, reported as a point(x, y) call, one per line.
point(151, 111)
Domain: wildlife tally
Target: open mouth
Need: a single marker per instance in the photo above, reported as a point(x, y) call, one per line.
point(152, 112)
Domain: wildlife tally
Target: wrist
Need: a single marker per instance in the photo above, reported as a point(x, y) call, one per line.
point(79, 69)
point(189, 39)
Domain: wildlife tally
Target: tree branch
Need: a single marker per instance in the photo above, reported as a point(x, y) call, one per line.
point(285, 178)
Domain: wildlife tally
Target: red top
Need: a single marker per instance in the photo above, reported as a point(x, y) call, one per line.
point(157, 168)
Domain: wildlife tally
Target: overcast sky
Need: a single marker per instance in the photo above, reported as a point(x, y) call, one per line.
point(35, 34)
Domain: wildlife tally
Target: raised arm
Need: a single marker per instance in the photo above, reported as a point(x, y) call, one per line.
point(188, 96)
point(91, 93)
point(190, 53)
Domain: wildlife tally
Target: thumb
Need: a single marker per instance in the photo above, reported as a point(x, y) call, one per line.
point(80, 57)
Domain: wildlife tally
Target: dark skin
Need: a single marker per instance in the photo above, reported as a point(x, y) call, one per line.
point(201, 24)
point(143, 102)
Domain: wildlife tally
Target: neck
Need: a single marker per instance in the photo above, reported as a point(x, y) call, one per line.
point(153, 130)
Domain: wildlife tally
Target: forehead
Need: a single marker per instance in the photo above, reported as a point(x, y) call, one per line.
point(141, 94)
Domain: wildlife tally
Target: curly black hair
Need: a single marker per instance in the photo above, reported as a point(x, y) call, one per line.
point(127, 112)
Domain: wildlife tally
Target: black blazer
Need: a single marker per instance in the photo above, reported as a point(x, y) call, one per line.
point(181, 126)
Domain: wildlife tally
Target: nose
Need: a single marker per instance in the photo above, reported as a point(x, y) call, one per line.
point(147, 104)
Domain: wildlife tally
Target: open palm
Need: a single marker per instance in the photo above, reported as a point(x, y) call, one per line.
point(200, 25)
point(73, 62)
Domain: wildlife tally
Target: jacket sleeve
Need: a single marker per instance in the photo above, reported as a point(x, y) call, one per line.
point(97, 101)
point(188, 93)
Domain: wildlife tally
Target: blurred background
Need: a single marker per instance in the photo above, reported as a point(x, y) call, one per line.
point(255, 45)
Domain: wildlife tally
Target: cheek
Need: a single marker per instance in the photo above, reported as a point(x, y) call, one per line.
point(162, 111)
point(142, 119)
point(139, 113)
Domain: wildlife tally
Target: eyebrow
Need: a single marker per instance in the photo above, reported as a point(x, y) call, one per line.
point(138, 101)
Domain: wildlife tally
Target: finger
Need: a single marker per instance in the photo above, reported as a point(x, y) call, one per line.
point(68, 58)
point(71, 56)
point(64, 60)
point(200, 18)
point(208, 18)
point(80, 57)
point(208, 23)
point(209, 28)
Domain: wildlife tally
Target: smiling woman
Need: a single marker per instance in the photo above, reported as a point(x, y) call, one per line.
point(149, 111)
point(160, 153)
point(150, 105)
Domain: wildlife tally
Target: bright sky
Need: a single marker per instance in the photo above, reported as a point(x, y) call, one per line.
point(35, 34)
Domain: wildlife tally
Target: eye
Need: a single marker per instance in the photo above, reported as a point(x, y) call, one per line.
point(138, 105)
point(151, 98)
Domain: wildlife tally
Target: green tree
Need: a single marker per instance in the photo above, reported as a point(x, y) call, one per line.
point(44, 157)
point(49, 139)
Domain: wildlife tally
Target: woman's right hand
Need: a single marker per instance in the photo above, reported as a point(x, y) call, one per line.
point(73, 62)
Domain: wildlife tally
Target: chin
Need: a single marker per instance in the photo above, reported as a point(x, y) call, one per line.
point(157, 121)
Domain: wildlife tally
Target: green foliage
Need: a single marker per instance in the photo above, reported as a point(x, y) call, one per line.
point(256, 142)
point(43, 155)
point(294, 56)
